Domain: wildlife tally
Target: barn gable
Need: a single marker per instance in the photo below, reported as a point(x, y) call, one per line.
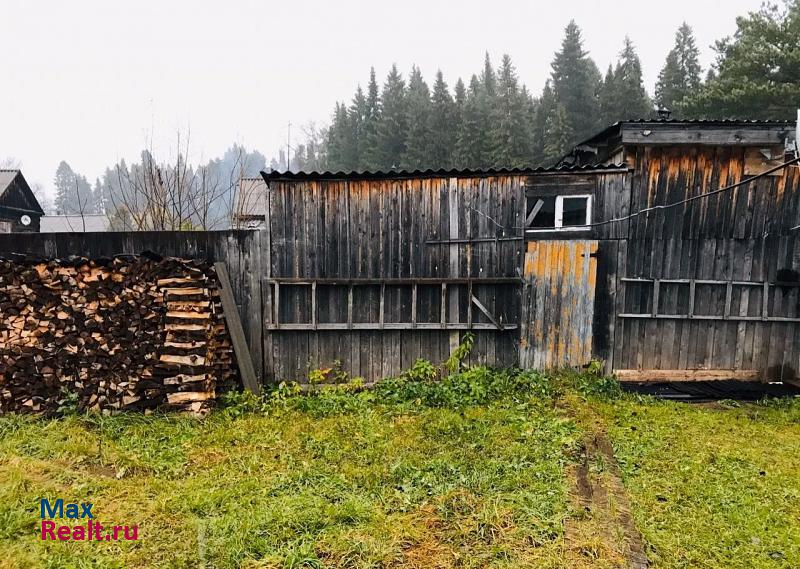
point(17, 200)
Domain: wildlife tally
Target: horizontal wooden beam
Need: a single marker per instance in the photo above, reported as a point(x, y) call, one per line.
point(399, 281)
point(658, 375)
point(392, 326)
point(719, 317)
point(710, 282)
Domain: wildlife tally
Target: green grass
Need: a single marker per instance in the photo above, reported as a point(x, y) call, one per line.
point(711, 485)
point(471, 471)
point(466, 473)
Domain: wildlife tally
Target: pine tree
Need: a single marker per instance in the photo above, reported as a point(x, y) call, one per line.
point(757, 70)
point(575, 83)
point(393, 122)
point(444, 123)
point(680, 76)
point(630, 97)
point(509, 135)
point(418, 142)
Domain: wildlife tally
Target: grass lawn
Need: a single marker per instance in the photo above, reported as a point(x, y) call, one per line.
point(474, 471)
point(711, 485)
point(470, 474)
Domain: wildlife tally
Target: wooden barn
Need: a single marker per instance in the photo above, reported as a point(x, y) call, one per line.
point(551, 267)
point(19, 209)
point(669, 250)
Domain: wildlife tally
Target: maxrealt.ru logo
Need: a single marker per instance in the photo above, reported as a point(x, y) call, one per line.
point(91, 530)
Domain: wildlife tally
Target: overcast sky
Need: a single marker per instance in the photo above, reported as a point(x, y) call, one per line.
point(90, 82)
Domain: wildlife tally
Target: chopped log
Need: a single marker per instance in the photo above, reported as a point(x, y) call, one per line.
point(128, 333)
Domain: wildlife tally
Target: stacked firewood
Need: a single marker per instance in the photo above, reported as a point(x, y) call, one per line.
point(132, 332)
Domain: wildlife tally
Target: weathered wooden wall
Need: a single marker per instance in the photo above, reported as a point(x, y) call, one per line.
point(736, 237)
point(442, 251)
point(380, 231)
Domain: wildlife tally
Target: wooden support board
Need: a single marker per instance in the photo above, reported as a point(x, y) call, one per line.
point(243, 358)
point(657, 375)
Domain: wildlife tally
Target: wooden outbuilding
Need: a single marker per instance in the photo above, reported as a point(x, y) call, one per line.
point(19, 209)
point(667, 249)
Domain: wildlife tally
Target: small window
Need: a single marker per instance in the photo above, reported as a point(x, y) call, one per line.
point(549, 213)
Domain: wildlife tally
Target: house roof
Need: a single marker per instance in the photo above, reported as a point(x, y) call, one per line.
point(23, 201)
point(440, 173)
point(6, 177)
point(91, 222)
point(693, 131)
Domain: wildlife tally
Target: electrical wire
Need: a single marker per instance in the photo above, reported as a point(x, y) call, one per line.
point(700, 196)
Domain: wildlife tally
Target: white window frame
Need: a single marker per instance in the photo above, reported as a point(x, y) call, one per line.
point(559, 215)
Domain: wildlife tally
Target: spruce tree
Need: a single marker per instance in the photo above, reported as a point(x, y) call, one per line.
point(488, 78)
point(471, 142)
point(356, 116)
point(757, 70)
point(337, 139)
point(575, 83)
point(544, 111)
point(680, 76)
point(560, 134)
point(73, 192)
point(97, 197)
point(509, 136)
point(630, 96)
point(369, 158)
point(393, 122)
point(608, 97)
point(418, 141)
point(444, 123)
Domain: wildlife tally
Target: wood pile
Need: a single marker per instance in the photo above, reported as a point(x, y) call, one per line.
point(131, 332)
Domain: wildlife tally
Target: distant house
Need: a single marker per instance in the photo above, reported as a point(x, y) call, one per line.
point(19, 209)
point(251, 204)
point(86, 223)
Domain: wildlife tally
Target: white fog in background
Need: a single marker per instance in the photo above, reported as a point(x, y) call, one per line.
point(92, 82)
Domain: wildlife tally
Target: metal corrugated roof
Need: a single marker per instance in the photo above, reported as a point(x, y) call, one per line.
point(730, 122)
point(89, 223)
point(440, 173)
point(586, 168)
point(394, 174)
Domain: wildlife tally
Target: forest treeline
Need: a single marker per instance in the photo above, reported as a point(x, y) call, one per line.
point(490, 120)
point(493, 120)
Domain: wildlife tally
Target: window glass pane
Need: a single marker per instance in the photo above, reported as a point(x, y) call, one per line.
point(546, 212)
point(575, 211)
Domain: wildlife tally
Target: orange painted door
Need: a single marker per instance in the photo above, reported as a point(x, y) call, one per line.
point(558, 304)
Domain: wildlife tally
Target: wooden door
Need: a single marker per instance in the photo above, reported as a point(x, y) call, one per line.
point(558, 304)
